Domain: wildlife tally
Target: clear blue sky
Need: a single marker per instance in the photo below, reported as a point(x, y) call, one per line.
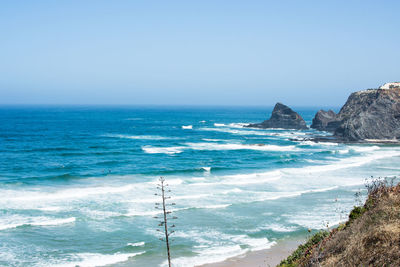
point(196, 52)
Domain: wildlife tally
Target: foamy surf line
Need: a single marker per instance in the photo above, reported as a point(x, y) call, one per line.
point(270, 133)
point(264, 196)
point(163, 150)
point(216, 147)
point(355, 161)
point(233, 146)
point(38, 222)
point(14, 197)
point(210, 255)
point(244, 179)
point(138, 137)
point(95, 259)
point(231, 125)
point(157, 212)
point(137, 244)
point(216, 247)
point(70, 193)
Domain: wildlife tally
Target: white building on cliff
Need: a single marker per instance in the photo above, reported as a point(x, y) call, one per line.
point(390, 85)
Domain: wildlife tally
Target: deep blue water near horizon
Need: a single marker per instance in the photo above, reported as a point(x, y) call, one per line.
point(78, 183)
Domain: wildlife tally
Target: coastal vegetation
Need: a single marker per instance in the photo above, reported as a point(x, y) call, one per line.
point(370, 237)
point(164, 217)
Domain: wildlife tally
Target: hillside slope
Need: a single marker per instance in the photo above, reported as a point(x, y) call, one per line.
point(371, 236)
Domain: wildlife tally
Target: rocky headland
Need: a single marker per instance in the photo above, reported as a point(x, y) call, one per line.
point(371, 115)
point(325, 121)
point(282, 117)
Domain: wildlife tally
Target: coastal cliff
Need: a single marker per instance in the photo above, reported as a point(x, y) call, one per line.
point(368, 115)
point(282, 117)
point(371, 114)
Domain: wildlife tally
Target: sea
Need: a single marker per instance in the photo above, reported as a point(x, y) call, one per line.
point(78, 184)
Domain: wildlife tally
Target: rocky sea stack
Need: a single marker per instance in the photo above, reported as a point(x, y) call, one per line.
point(325, 121)
point(282, 117)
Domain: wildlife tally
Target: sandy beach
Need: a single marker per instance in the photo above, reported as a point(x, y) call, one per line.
point(261, 258)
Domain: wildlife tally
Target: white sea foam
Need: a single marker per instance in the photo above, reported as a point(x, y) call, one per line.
point(216, 146)
point(236, 131)
point(237, 125)
point(187, 127)
point(254, 243)
point(231, 125)
point(244, 179)
point(279, 195)
point(153, 212)
point(272, 175)
point(209, 255)
point(139, 137)
point(212, 140)
point(252, 179)
point(99, 214)
point(198, 178)
point(325, 217)
point(220, 206)
point(134, 213)
point(328, 144)
point(143, 200)
point(308, 143)
point(343, 151)
point(364, 148)
point(248, 132)
point(233, 146)
point(169, 182)
point(95, 259)
point(234, 190)
point(190, 196)
point(312, 143)
point(54, 222)
point(17, 221)
point(343, 163)
point(163, 150)
point(154, 200)
point(207, 169)
point(214, 246)
point(50, 208)
point(73, 193)
point(261, 196)
point(137, 244)
point(277, 228)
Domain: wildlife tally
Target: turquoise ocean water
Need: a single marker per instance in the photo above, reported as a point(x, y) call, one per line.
point(77, 184)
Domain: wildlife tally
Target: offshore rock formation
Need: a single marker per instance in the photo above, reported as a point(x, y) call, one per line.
point(325, 121)
point(282, 117)
point(370, 114)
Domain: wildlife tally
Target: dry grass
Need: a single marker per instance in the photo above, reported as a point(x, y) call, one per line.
point(370, 238)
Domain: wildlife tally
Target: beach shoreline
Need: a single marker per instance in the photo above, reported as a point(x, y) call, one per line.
point(266, 257)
